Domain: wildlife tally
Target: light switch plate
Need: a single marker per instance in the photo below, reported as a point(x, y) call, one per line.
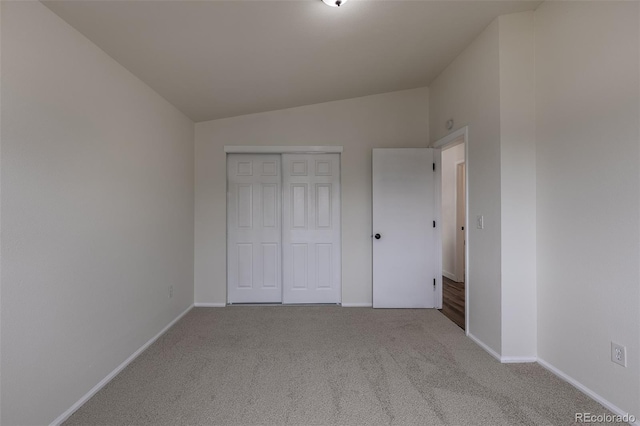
point(480, 222)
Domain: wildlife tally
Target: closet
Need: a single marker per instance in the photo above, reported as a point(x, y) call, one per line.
point(283, 228)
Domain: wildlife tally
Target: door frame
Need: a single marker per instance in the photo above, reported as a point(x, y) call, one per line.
point(282, 149)
point(279, 149)
point(457, 137)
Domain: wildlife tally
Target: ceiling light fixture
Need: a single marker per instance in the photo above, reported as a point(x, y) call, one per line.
point(334, 3)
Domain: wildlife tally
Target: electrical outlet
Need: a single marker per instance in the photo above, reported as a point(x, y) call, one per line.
point(170, 291)
point(480, 222)
point(618, 354)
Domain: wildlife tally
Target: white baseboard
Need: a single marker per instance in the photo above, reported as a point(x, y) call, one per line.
point(496, 355)
point(517, 359)
point(582, 388)
point(484, 346)
point(449, 275)
point(344, 305)
point(64, 416)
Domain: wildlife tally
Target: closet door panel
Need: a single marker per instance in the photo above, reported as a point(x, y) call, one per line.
point(254, 232)
point(311, 228)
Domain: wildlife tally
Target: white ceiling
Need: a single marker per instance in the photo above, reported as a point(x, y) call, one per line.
point(214, 59)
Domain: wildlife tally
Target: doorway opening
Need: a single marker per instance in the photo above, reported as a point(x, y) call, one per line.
point(453, 191)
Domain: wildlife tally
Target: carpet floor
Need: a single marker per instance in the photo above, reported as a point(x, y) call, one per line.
point(326, 365)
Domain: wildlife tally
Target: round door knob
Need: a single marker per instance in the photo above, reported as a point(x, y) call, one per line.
point(377, 236)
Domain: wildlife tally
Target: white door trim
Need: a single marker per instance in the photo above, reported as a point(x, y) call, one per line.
point(448, 140)
point(282, 149)
point(454, 138)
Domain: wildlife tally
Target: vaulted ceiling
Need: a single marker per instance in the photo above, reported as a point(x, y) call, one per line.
point(215, 59)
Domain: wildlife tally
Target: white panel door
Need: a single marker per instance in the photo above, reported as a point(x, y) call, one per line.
point(254, 229)
point(404, 243)
point(311, 228)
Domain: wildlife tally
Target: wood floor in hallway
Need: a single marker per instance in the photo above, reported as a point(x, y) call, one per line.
point(453, 301)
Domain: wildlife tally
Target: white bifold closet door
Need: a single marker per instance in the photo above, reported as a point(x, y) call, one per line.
point(311, 228)
point(254, 228)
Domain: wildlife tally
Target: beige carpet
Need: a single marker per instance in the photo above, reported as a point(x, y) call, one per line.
point(327, 366)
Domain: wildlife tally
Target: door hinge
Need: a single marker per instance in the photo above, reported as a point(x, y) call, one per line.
point(434, 284)
point(434, 167)
point(434, 223)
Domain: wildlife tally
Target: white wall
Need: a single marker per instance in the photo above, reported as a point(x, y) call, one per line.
point(97, 214)
point(450, 158)
point(398, 119)
point(518, 185)
point(468, 91)
point(1, 80)
point(588, 193)
point(490, 88)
